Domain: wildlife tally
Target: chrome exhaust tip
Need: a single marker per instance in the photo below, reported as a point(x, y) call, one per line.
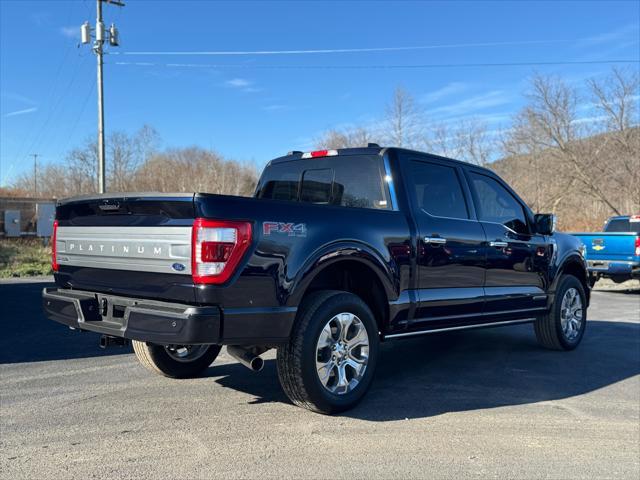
point(246, 357)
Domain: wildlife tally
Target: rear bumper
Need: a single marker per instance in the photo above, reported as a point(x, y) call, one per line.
point(614, 268)
point(149, 321)
point(166, 323)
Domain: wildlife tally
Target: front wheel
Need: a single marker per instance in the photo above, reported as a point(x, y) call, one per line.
point(563, 327)
point(175, 361)
point(329, 362)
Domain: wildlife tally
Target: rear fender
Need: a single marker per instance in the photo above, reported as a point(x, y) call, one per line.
point(385, 271)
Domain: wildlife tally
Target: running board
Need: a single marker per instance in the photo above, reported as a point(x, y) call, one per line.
point(460, 327)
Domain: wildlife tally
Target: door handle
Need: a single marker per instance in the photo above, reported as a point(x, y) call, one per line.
point(498, 244)
point(435, 240)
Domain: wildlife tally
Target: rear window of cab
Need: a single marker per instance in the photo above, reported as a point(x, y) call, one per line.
point(347, 180)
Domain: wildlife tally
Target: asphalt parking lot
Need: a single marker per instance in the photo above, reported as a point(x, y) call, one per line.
point(478, 404)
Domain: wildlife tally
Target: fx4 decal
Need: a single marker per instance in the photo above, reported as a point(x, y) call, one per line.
point(290, 229)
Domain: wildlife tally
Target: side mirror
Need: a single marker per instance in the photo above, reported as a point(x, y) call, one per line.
point(545, 223)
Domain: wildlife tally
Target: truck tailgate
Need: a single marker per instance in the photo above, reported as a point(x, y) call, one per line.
point(138, 245)
point(608, 245)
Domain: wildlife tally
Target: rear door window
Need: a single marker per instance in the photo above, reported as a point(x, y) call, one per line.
point(437, 190)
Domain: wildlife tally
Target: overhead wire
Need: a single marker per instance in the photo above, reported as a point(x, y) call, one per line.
point(381, 66)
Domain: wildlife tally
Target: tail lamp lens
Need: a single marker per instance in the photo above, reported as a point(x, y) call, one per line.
point(638, 246)
point(320, 153)
point(217, 248)
point(54, 247)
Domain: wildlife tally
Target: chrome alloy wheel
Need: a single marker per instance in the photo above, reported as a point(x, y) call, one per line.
point(342, 353)
point(571, 314)
point(186, 353)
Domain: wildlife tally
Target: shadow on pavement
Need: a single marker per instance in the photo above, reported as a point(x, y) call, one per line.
point(473, 370)
point(418, 377)
point(28, 336)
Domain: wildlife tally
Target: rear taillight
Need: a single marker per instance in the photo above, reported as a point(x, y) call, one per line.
point(54, 247)
point(217, 246)
point(637, 246)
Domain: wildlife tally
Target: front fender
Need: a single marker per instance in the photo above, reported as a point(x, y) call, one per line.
point(572, 263)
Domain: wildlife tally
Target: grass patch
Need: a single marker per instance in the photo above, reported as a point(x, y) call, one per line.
point(24, 257)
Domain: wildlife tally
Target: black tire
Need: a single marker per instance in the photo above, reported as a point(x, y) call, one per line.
point(548, 328)
point(296, 360)
point(157, 359)
point(592, 280)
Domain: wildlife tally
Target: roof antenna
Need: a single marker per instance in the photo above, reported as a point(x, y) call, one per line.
point(372, 145)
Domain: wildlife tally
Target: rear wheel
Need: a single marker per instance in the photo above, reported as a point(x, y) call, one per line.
point(176, 361)
point(329, 362)
point(563, 327)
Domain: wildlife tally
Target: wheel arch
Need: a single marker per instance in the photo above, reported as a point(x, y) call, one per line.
point(351, 268)
point(574, 265)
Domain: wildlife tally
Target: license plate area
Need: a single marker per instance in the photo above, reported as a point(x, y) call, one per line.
point(113, 310)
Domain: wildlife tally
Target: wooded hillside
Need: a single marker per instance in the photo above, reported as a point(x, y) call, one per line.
point(573, 150)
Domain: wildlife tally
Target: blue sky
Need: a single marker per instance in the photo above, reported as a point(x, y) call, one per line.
point(254, 107)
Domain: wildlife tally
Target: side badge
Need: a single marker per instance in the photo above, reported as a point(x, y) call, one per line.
point(178, 267)
point(289, 229)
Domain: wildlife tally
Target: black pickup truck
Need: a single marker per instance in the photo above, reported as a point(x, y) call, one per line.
point(337, 251)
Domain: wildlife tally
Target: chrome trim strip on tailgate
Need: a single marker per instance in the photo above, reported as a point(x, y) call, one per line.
point(142, 249)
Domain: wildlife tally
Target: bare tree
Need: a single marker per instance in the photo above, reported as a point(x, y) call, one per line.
point(550, 124)
point(616, 98)
point(346, 138)
point(404, 122)
point(468, 140)
point(126, 153)
point(195, 170)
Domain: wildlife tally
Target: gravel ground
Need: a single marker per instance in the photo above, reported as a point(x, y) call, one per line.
point(477, 404)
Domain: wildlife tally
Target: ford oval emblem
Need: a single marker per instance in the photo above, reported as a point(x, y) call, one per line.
point(178, 267)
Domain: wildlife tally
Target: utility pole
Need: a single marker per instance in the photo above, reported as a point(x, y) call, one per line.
point(99, 52)
point(98, 44)
point(35, 174)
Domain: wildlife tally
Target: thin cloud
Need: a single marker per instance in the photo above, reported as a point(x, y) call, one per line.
point(628, 32)
point(493, 98)
point(450, 89)
point(243, 84)
point(41, 18)
point(238, 83)
point(274, 107)
point(17, 97)
point(21, 112)
point(70, 32)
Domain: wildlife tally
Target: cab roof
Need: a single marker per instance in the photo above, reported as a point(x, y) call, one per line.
point(370, 150)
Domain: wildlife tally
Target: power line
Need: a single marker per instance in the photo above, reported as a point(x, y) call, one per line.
point(38, 133)
point(380, 66)
point(53, 89)
point(79, 117)
point(350, 50)
point(67, 91)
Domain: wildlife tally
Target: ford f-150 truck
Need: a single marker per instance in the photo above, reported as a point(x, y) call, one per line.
point(615, 252)
point(338, 251)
